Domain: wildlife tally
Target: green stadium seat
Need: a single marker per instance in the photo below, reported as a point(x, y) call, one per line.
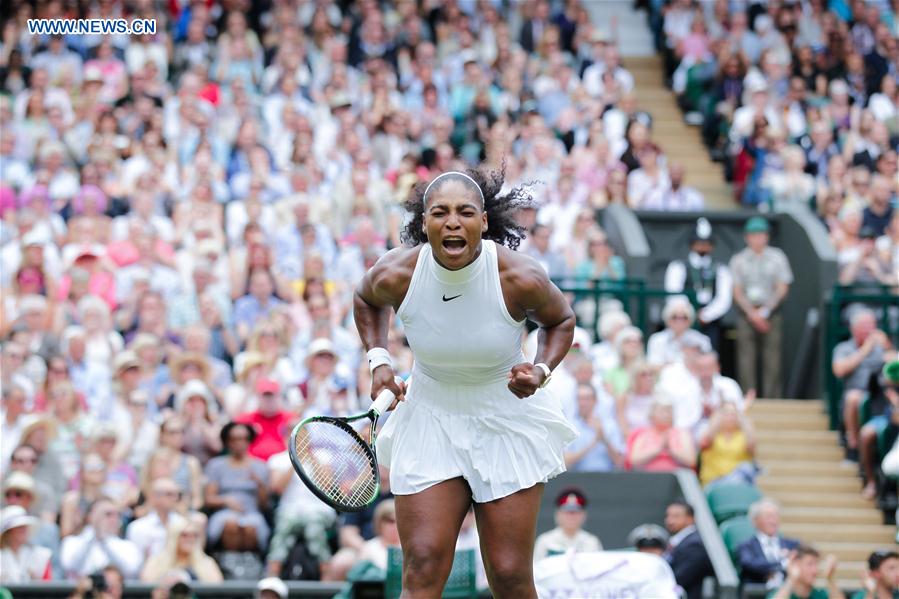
point(731, 500)
point(735, 532)
point(462, 580)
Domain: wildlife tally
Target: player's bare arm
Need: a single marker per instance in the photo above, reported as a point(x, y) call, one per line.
point(529, 292)
point(382, 290)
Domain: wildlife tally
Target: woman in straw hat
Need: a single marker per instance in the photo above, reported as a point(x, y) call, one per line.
point(20, 561)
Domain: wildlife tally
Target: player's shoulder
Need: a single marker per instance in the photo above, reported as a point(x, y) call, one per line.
point(394, 269)
point(520, 271)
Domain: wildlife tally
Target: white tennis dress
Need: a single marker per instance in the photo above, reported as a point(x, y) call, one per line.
point(459, 417)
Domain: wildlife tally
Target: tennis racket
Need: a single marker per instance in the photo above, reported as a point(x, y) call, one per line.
point(335, 461)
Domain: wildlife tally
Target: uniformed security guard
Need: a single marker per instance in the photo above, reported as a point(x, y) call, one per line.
point(709, 279)
point(762, 278)
point(568, 534)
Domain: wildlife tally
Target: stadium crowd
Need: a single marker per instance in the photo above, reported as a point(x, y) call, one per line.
point(184, 217)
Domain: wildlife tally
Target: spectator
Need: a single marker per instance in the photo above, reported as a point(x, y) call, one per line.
point(854, 361)
point(183, 549)
point(299, 518)
point(601, 262)
point(727, 447)
point(764, 557)
point(803, 571)
point(881, 579)
point(44, 500)
point(762, 279)
point(19, 489)
point(686, 553)
point(538, 248)
point(599, 445)
point(709, 279)
point(99, 544)
point(375, 549)
point(237, 489)
point(666, 346)
point(675, 196)
point(271, 588)
point(878, 213)
point(148, 533)
point(661, 447)
point(635, 405)
point(73, 511)
point(882, 390)
point(14, 418)
point(649, 538)
point(171, 461)
point(272, 422)
point(568, 535)
point(199, 410)
point(22, 562)
point(629, 345)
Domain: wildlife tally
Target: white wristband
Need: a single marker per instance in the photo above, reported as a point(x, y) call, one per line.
point(378, 356)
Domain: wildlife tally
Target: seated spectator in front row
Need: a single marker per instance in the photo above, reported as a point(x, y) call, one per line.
point(727, 448)
point(568, 534)
point(20, 561)
point(100, 544)
point(886, 388)
point(764, 557)
point(183, 550)
point(802, 572)
point(237, 488)
point(854, 361)
point(661, 447)
point(686, 554)
point(881, 580)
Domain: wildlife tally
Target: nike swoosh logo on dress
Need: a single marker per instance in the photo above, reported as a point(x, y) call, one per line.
point(446, 299)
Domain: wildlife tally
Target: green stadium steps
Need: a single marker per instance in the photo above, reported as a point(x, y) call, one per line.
point(677, 140)
point(821, 497)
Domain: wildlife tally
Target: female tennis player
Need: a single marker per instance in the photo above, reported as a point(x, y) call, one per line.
point(474, 424)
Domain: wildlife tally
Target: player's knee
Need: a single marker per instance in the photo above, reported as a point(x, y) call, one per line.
point(510, 574)
point(424, 565)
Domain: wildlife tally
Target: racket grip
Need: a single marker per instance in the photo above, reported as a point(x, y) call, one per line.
point(383, 400)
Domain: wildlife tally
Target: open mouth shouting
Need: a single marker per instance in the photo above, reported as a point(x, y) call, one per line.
point(454, 245)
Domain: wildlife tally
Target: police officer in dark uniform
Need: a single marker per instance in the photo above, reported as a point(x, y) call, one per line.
point(709, 279)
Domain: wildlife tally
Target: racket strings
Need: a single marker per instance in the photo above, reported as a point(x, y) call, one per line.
point(337, 463)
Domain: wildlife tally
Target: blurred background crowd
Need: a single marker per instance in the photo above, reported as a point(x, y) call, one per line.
point(184, 217)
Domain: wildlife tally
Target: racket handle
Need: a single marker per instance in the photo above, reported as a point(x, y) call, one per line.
point(383, 400)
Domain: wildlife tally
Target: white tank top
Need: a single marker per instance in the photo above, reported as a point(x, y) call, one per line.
point(457, 323)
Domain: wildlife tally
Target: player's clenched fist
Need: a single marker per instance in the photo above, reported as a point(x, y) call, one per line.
point(525, 379)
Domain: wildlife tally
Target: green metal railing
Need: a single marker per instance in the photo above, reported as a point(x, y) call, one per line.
point(880, 299)
point(634, 295)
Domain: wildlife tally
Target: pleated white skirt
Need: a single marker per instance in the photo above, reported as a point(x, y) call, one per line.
point(497, 442)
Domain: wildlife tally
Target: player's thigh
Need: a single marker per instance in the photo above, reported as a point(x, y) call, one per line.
point(428, 521)
point(508, 527)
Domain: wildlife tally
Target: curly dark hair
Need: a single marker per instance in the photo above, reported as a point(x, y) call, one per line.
point(502, 227)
